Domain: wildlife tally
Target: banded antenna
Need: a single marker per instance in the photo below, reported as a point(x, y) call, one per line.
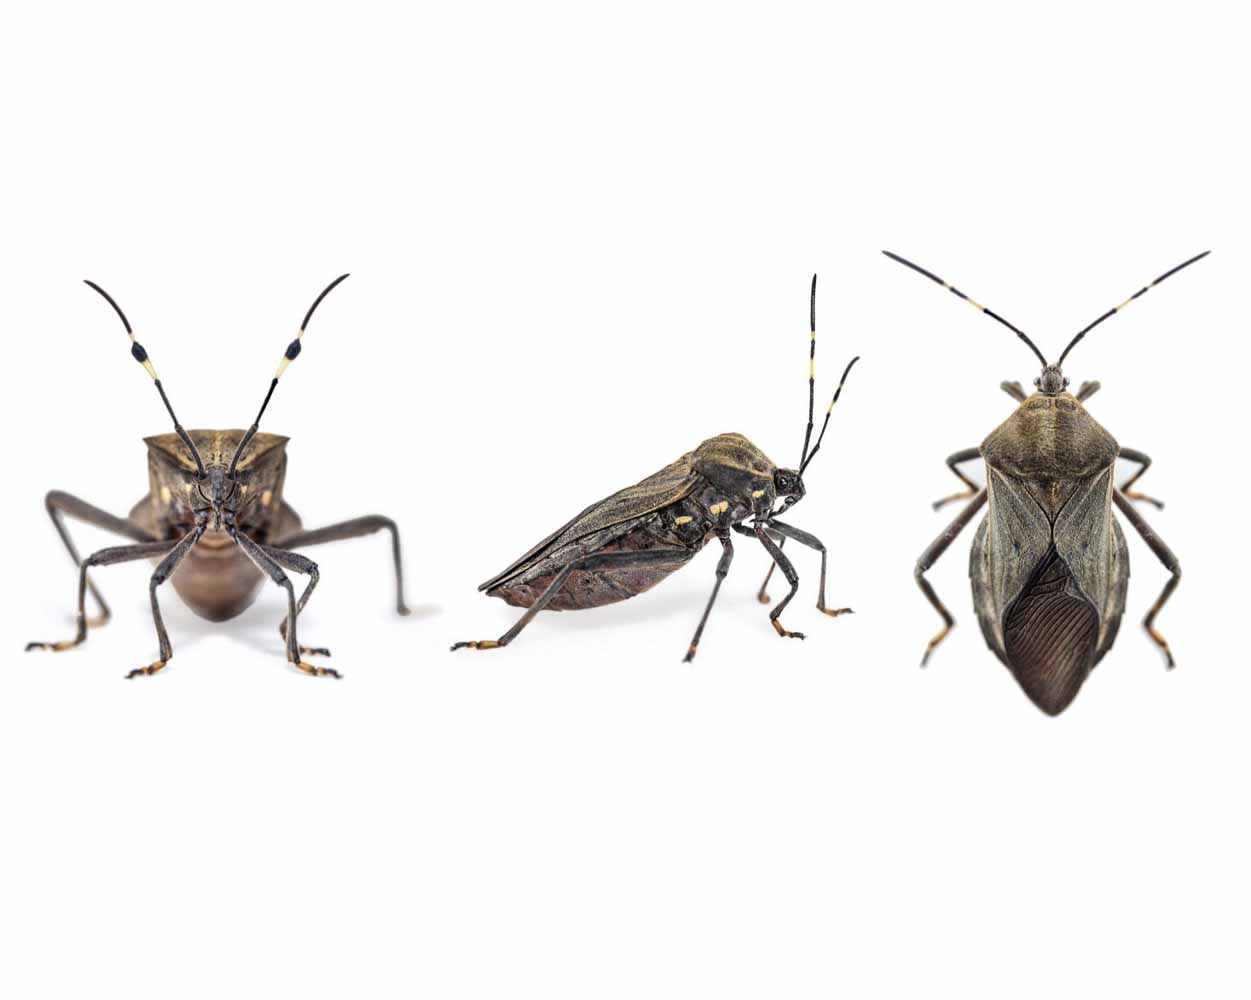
point(976, 305)
point(139, 354)
point(812, 366)
point(292, 352)
point(1116, 309)
point(820, 437)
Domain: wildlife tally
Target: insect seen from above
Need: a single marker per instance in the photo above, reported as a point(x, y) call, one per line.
point(214, 521)
point(1049, 564)
point(629, 542)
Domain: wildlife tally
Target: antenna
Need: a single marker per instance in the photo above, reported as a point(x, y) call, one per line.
point(1116, 309)
point(139, 354)
point(292, 352)
point(812, 366)
point(976, 305)
point(820, 437)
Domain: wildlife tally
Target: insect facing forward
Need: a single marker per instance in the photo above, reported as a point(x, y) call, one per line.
point(629, 542)
point(214, 522)
point(1049, 564)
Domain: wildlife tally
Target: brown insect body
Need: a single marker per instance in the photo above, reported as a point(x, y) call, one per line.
point(1049, 564)
point(670, 510)
point(216, 579)
point(214, 522)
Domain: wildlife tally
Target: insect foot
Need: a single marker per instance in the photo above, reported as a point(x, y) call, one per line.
point(777, 627)
point(56, 647)
point(835, 612)
point(147, 671)
point(313, 671)
point(933, 643)
point(479, 644)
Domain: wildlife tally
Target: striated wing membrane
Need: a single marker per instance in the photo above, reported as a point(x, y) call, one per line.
point(621, 510)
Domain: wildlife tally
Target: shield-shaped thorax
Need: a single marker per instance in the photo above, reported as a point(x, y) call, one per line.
point(216, 579)
point(1048, 563)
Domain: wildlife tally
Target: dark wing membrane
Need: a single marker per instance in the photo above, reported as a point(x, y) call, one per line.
point(672, 483)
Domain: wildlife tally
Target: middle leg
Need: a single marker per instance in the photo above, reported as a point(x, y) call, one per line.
point(723, 567)
point(1144, 463)
point(356, 528)
point(105, 557)
point(954, 460)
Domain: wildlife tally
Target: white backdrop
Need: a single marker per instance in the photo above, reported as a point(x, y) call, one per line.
point(580, 242)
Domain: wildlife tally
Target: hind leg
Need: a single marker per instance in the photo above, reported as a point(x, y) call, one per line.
point(931, 555)
point(1170, 561)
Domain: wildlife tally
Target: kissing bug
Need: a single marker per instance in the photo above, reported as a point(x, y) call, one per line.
point(215, 513)
point(1049, 565)
point(630, 541)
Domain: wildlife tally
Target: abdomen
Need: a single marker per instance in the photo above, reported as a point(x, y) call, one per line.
point(592, 588)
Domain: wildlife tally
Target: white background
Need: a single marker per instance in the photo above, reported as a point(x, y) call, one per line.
point(580, 241)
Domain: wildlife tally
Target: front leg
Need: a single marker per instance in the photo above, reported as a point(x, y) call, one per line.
point(804, 538)
point(164, 570)
point(300, 564)
point(1170, 561)
point(105, 557)
point(788, 570)
point(268, 565)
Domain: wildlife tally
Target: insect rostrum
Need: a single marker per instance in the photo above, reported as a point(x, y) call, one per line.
point(630, 541)
point(215, 521)
point(1049, 565)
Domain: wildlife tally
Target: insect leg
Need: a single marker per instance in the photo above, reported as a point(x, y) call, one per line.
point(1144, 463)
point(59, 503)
point(762, 595)
point(300, 564)
point(788, 571)
point(723, 567)
point(616, 558)
point(1165, 555)
point(930, 556)
point(1014, 390)
point(1087, 390)
point(964, 455)
point(164, 570)
point(804, 538)
point(105, 557)
point(356, 528)
point(268, 565)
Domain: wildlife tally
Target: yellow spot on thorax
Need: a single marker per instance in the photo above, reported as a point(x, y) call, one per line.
point(166, 496)
point(684, 519)
point(266, 498)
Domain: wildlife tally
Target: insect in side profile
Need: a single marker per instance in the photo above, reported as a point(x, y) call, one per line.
point(214, 522)
point(1049, 565)
point(629, 542)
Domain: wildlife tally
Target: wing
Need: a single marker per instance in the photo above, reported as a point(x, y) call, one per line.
point(623, 509)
